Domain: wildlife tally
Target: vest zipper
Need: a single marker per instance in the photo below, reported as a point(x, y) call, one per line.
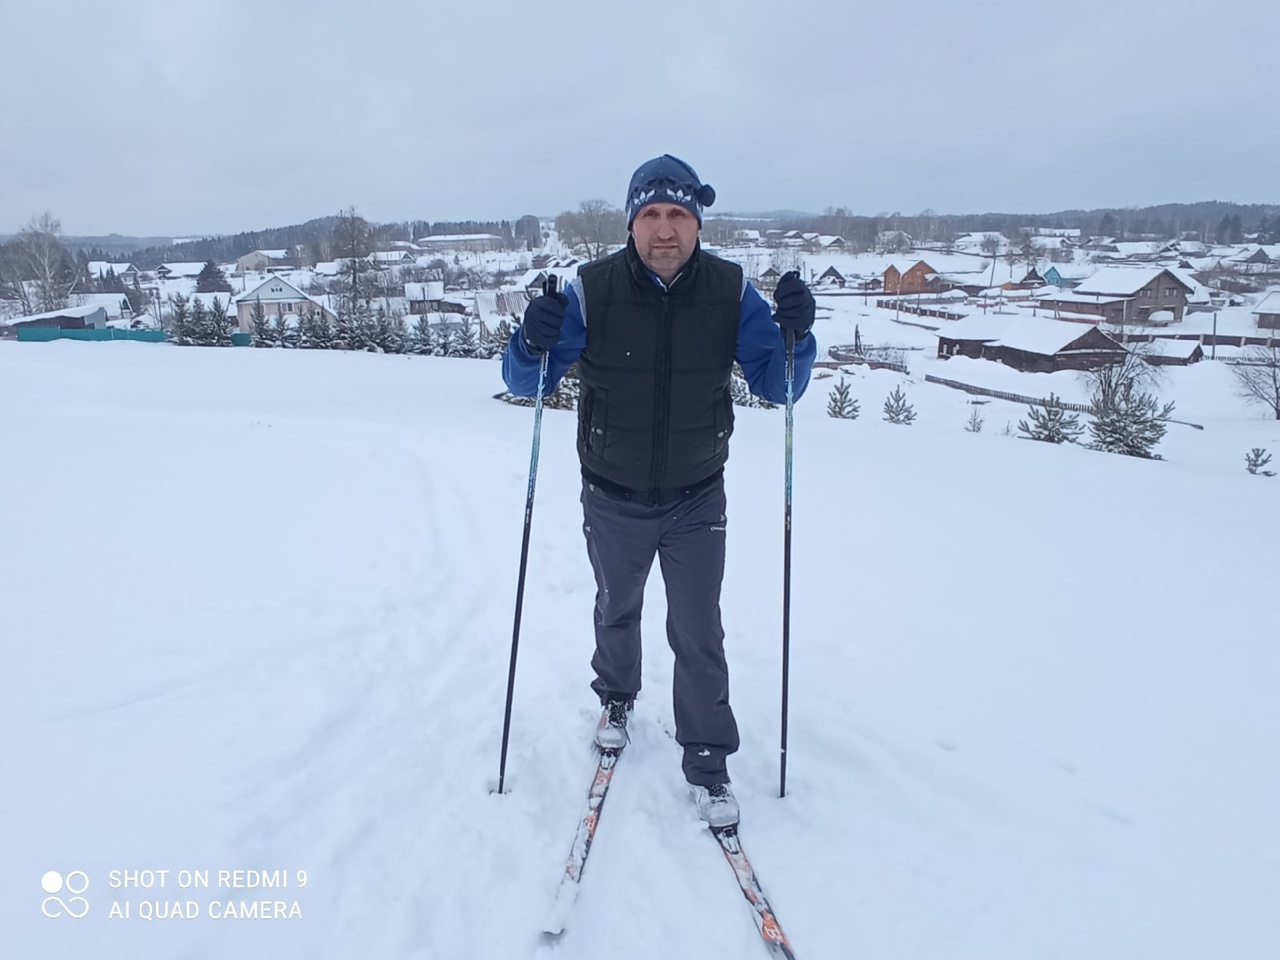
point(661, 402)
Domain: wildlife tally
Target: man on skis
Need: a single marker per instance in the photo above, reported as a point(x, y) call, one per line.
point(656, 328)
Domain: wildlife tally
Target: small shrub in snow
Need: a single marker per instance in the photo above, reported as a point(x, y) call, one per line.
point(1051, 424)
point(1129, 422)
point(840, 404)
point(1255, 460)
point(896, 408)
point(976, 421)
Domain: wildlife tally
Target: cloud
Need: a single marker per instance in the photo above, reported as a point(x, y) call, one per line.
point(141, 117)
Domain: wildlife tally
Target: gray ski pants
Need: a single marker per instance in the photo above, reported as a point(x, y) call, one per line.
point(688, 537)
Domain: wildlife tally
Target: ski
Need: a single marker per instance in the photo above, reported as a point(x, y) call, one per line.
point(567, 892)
point(765, 919)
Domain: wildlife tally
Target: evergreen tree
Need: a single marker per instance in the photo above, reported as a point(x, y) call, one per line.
point(1223, 233)
point(1129, 422)
point(976, 421)
point(345, 334)
point(500, 337)
point(468, 341)
point(212, 279)
point(841, 404)
point(896, 408)
point(201, 335)
point(1255, 460)
point(282, 331)
point(398, 335)
point(263, 334)
point(1051, 423)
point(1264, 230)
point(382, 330)
point(442, 342)
point(740, 392)
point(1107, 227)
point(567, 391)
point(180, 321)
point(366, 328)
point(1237, 229)
point(420, 337)
point(220, 324)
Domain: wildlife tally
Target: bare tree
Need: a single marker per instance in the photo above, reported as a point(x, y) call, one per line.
point(1258, 377)
point(38, 256)
point(596, 225)
point(351, 242)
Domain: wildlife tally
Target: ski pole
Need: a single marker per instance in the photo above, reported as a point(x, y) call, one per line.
point(786, 560)
point(548, 288)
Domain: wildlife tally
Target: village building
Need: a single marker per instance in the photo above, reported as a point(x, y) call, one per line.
point(424, 298)
point(902, 279)
point(277, 297)
point(103, 269)
point(1169, 352)
point(831, 277)
point(1028, 344)
point(180, 271)
point(1068, 276)
point(463, 242)
point(259, 261)
point(1121, 295)
point(90, 317)
point(1268, 311)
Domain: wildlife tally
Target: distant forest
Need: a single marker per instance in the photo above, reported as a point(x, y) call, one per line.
point(1210, 220)
point(314, 236)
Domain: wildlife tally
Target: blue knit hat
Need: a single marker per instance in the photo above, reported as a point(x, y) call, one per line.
point(667, 179)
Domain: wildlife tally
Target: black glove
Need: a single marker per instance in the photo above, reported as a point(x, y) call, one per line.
point(542, 321)
point(795, 304)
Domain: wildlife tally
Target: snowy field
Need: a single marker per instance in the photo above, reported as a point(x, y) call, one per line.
point(256, 609)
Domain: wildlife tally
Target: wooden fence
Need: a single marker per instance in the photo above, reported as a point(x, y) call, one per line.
point(1029, 401)
point(908, 307)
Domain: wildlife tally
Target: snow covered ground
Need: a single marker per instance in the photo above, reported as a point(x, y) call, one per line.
point(257, 608)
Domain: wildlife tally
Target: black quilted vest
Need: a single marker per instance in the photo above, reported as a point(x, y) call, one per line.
point(655, 414)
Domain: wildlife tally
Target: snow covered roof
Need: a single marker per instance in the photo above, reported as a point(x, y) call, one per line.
point(116, 304)
point(1123, 281)
point(84, 312)
point(1058, 295)
point(1040, 335)
point(1166, 347)
point(446, 238)
point(431, 290)
point(100, 268)
point(271, 290)
point(1073, 271)
point(1269, 304)
point(182, 269)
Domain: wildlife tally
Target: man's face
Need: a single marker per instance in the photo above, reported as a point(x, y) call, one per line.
point(665, 234)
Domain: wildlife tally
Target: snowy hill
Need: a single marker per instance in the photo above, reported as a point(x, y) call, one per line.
point(257, 611)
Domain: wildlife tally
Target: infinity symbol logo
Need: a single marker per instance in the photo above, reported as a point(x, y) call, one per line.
point(76, 907)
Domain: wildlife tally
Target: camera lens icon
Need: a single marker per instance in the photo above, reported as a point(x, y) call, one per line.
point(75, 883)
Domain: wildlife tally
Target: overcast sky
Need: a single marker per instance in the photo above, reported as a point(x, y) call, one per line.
point(182, 118)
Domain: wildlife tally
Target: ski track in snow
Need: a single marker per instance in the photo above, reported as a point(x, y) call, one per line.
point(276, 636)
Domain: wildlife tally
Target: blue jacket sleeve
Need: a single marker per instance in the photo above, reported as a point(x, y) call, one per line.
point(762, 351)
point(520, 367)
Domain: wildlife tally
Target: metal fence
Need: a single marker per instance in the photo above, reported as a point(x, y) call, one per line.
point(46, 334)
